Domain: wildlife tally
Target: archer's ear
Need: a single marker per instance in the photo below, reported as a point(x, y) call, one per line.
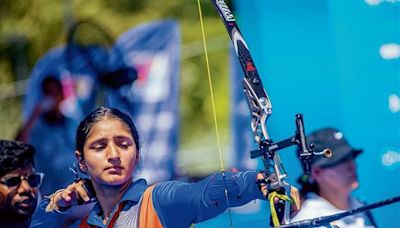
point(315, 173)
point(137, 159)
point(82, 165)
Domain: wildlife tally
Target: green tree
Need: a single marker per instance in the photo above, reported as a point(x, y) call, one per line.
point(29, 28)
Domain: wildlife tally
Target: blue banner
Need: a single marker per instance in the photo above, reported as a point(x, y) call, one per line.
point(78, 79)
point(54, 141)
point(153, 49)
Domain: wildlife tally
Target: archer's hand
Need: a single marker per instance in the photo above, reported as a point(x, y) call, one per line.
point(295, 205)
point(65, 198)
point(262, 183)
point(294, 193)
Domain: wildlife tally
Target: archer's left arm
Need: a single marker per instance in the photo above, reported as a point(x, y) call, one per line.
point(242, 188)
point(179, 204)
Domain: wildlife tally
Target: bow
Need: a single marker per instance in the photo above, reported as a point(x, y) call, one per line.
point(260, 109)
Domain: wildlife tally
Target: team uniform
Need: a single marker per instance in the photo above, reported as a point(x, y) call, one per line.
point(166, 204)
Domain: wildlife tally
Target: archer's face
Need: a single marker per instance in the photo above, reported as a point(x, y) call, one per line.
point(18, 202)
point(341, 177)
point(55, 95)
point(110, 153)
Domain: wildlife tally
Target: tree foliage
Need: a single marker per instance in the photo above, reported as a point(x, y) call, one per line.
point(29, 28)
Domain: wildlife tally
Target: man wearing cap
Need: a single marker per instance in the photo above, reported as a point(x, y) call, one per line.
point(19, 184)
point(327, 190)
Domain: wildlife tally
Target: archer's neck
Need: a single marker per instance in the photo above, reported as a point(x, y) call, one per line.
point(109, 196)
point(338, 198)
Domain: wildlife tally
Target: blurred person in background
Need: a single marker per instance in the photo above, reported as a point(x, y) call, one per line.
point(52, 134)
point(19, 184)
point(328, 189)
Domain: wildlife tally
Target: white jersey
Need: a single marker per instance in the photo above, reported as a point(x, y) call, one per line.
point(315, 206)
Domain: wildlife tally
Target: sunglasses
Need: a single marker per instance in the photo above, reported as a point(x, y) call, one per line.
point(34, 180)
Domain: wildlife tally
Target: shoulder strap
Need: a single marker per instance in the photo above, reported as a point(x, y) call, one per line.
point(84, 223)
point(148, 215)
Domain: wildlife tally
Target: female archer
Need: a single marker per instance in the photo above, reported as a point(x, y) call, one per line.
point(108, 151)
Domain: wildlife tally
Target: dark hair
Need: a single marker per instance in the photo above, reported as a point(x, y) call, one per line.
point(14, 155)
point(99, 114)
point(51, 81)
point(307, 186)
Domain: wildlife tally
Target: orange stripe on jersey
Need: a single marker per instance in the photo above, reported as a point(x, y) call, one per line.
point(148, 217)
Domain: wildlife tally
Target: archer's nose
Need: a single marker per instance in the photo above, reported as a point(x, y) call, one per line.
point(113, 152)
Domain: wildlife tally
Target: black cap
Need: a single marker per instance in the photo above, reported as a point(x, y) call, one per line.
point(333, 139)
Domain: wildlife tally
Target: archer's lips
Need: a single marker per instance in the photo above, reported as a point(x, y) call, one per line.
point(114, 168)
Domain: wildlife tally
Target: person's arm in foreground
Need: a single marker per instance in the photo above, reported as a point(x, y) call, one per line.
point(180, 204)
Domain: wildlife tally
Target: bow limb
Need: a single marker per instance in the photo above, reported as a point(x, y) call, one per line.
point(257, 98)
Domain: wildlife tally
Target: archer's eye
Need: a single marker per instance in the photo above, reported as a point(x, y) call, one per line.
point(99, 147)
point(123, 142)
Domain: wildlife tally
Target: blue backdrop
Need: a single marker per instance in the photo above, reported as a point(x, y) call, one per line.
point(330, 60)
